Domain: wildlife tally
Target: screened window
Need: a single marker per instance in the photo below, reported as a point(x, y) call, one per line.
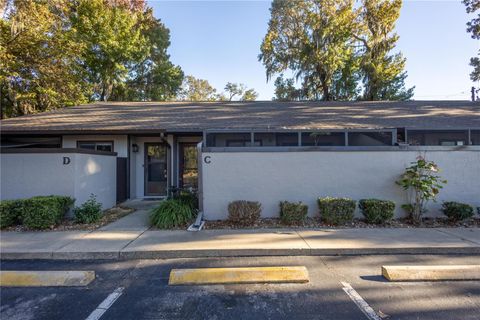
point(369, 138)
point(475, 135)
point(30, 142)
point(278, 139)
point(437, 137)
point(229, 139)
point(96, 145)
point(323, 138)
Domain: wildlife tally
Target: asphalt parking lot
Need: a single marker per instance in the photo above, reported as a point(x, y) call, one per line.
point(142, 291)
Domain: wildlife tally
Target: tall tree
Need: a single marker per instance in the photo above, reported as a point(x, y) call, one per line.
point(313, 38)
point(249, 95)
point(154, 78)
point(112, 38)
point(383, 72)
point(473, 27)
point(194, 89)
point(234, 89)
point(38, 58)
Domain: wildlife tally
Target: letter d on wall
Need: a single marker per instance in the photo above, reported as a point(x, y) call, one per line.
point(66, 160)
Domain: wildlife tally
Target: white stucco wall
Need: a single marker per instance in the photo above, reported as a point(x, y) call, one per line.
point(270, 177)
point(26, 175)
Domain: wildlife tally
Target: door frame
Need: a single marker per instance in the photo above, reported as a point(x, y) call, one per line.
point(145, 168)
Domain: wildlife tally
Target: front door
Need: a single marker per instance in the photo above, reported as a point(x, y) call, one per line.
point(155, 169)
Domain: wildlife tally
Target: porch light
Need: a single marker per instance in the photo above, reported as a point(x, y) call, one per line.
point(135, 147)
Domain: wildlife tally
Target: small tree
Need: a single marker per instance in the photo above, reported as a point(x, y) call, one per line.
point(422, 184)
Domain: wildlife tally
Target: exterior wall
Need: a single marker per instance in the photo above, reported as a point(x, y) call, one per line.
point(26, 175)
point(120, 142)
point(270, 177)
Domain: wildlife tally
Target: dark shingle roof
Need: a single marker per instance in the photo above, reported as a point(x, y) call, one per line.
point(197, 116)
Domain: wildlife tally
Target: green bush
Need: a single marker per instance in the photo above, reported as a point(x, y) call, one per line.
point(244, 213)
point(45, 211)
point(377, 211)
point(293, 212)
point(336, 211)
point(89, 212)
point(188, 197)
point(456, 211)
point(171, 213)
point(11, 212)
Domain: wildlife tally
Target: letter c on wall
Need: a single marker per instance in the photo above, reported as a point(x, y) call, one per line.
point(66, 160)
point(207, 159)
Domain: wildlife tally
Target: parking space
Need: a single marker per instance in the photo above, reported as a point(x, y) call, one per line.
point(145, 293)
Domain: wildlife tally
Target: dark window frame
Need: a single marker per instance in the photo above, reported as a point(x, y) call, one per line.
point(95, 142)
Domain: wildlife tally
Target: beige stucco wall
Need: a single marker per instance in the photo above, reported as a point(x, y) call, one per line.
point(26, 175)
point(270, 177)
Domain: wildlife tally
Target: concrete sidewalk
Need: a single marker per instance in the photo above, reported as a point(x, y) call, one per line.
point(146, 244)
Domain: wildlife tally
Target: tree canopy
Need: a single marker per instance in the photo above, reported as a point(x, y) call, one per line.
point(56, 53)
point(331, 46)
point(473, 27)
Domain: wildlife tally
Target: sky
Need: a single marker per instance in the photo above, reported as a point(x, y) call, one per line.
point(220, 41)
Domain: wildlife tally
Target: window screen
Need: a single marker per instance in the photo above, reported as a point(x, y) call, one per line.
point(437, 137)
point(96, 145)
point(369, 138)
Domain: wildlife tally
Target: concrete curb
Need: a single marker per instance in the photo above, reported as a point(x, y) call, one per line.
point(46, 278)
point(431, 273)
point(202, 276)
point(204, 253)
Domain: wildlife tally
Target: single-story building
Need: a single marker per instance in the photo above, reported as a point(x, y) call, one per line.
point(264, 151)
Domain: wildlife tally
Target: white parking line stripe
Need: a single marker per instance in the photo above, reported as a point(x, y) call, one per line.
point(361, 304)
point(107, 303)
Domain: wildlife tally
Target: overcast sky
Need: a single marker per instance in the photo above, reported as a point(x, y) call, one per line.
point(220, 41)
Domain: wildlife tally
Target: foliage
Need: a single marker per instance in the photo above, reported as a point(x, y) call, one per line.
point(244, 213)
point(38, 58)
point(171, 213)
point(45, 211)
point(194, 89)
point(186, 196)
point(11, 212)
point(234, 89)
point(311, 38)
point(89, 212)
point(377, 211)
point(332, 46)
point(422, 184)
point(293, 212)
point(56, 53)
point(336, 211)
point(383, 75)
point(473, 27)
point(249, 95)
point(457, 211)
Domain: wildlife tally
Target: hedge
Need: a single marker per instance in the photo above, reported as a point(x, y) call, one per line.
point(377, 211)
point(293, 212)
point(336, 211)
point(244, 213)
point(35, 213)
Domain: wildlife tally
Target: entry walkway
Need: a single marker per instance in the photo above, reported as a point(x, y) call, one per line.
point(146, 244)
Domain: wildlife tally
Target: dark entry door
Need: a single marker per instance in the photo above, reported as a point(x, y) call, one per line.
point(155, 169)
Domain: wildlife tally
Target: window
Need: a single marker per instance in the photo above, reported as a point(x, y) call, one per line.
point(437, 137)
point(475, 135)
point(323, 138)
point(188, 165)
point(371, 138)
point(30, 142)
point(229, 139)
point(278, 139)
point(96, 145)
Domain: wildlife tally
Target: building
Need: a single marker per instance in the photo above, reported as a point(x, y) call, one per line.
point(265, 151)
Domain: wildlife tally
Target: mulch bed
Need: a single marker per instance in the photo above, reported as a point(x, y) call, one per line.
point(109, 216)
point(357, 223)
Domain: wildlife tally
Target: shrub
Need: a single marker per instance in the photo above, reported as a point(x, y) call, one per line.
point(171, 213)
point(422, 184)
point(293, 212)
point(336, 211)
point(190, 198)
point(89, 212)
point(45, 211)
point(244, 213)
point(11, 212)
point(456, 211)
point(377, 211)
